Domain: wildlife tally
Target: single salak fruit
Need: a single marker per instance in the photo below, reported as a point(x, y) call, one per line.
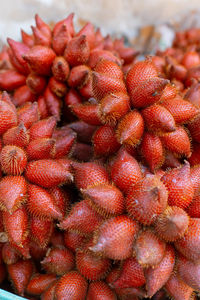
point(172, 224)
point(13, 160)
point(193, 210)
point(147, 199)
point(157, 277)
point(100, 290)
point(131, 275)
point(71, 286)
point(114, 238)
point(189, 244)
point(92, 267)
point(41, 230)
point(189, 272)
point(59, 260)
point(39, 283)
point(149, 249)
point(20, 274)
point(9, 254)
point(106, 199)
point(73, 240)
point(179, 186)
point(178, 289)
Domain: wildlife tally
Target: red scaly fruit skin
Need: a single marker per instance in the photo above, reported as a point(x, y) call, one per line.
point(130, 128)
point(193, 94)
point(83, 130)
point(42, 107)
point(47, 173)
point(106, 199)
point(152, 151)
point(35, 83)
point(191, 59)
point(109, 68)
point(57, 238)
point(189, 272)
point(90, 266)
point(88, 113)
point(146, 200)
point(125, 171)
point(22, 95)
point(182, 110)
point(158, 119)
point(194, 128)
point(58, 260)
point(177, 142)
point(37, 253)
point(179, 186)
point(140, 72)
point(77, 51)
point(189, 244)
point(178, 289)
point(149, 249)
point(42, 204)
point(104, 141)
point(114, 238)
point(193, 210)
point(9, 254)
point(62, 198)
point(57, 87)
point(39, 283)
point(131, 275)
point(89, 174)
point(28, 114)
point(171, 161)
point(20, 274)
point(78, 76)
point(172, 224)
point(60, 68)
point(43, 148)
point(100, 290)
point(18, 136)
point(39, 59)
point(12, 199)
point(8, 116)
point(13, 160)
point(114, 106)
point(71, 286)
point(194, 159)
point(99, 54)
point(73, 240)
point(157, 277)
point(16, 226)
point(53, 103)
point(11, 79)
point(49, 293)
point(43, 128)
point(82, 219)
point(41, 230)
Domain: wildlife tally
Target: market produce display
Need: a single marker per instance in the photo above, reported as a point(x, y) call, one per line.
point(99, 166)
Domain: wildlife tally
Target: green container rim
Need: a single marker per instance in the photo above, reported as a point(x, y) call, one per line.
point(4, 295)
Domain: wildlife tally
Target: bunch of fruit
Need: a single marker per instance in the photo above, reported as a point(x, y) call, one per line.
point(107, 205)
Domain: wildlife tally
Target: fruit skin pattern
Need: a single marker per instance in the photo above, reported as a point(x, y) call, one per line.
point(104, 204)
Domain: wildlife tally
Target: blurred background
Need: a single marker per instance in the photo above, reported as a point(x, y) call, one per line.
point(154, 21)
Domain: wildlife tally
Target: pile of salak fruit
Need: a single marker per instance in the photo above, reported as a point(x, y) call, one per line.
point(99, 166)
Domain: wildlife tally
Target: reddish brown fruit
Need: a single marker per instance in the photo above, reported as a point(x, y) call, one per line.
point(49, 294)
point(20, 274)
point(172, 223)
point(106, 199)
point(149, 249)
point(194, 208)
point(8, 116)
point(189, 244)
point(89, 174)
point(42, 204)
point(28, 114)
point(179, 186)
point(13, 160)
point(90, 266)
point(9, 254)
point(57, 87)
point(41, 230)
point(71, 286)
point(191, 59)
point(100, 290)
point(60, 68)
point(178, 289)
point(186, 268)
point(77, 51)
point(11, 79)
point(194, 128)
point(84, 131)
point(109, 68)
point(58, 261)
point(152, 150)
point(36, 83)
point(47, 173)
point(78, 76)
point(147, 199)
point(39, 283)
point(43, 128)
point(17, 136)
point(88, 113)
point(177, 142)
point(158, 119)
point(40, 59)
point(82, 219)
point(115, 237)
point(125, 171)
point(104, 141)
point(194, 159)
point(131, 275)
point(61, 197)
point(158, 276)
point(22, 95)
point(73, 240)
point(41, 149)
point(130, 129)
point(53, 103)
point(97, 55)
point(12, 198)
point(17, 50)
